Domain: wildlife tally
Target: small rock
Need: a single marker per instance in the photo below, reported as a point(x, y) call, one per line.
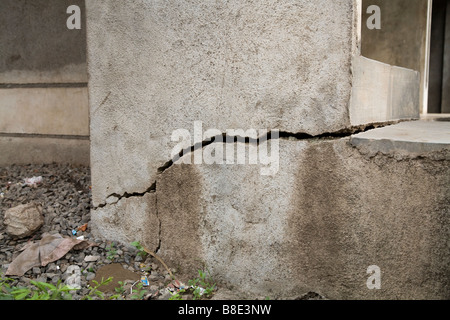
point(153, 288)
point(90, 276)
point(23, 220)
point(36, 270)
point(51, 267)
point(73, 279)
point(165, 294)
point(55, 279)
point(91, 258)
point(153, 277)
point(80, 257)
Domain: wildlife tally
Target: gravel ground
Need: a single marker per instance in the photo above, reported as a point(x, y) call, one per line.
point(65, 197)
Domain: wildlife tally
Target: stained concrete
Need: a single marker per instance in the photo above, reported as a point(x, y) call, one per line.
point(37, 46)
point(315, 226)
point(159, 66)
point(327, 214)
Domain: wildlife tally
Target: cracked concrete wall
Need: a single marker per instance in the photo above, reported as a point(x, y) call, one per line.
point(158, 66)
point(316, 226)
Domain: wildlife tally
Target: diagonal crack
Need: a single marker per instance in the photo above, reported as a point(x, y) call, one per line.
point(224, 138)
point(159, 221)
point(119, 197)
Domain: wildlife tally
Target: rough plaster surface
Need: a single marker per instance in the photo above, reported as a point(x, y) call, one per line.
point(315, 226)
point(129, 219)
point(158, 66)
point(330, 211)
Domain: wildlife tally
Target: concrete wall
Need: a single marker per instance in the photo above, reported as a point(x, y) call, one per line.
point(159, 66)
point(43, 84)
point(327, 214)
point(382, 92)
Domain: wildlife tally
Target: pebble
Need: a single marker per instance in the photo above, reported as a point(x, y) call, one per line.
point(64, 209)
point(91, 258)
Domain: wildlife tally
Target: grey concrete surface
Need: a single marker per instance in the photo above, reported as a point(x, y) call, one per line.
point(25, 150)
point(315, 226)
point(37, 46)
point(327, 214)
point(416, 137)
point(159, 66)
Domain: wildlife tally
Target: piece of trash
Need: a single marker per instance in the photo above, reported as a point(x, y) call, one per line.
point(2, 194)
point(80, 238)
point(177, 283)
point(144, 281)
point(74, 232)
point(33, 182)
point(50, 248)
point(201, 290)
point(83, 227)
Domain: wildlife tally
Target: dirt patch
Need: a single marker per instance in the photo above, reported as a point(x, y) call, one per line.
point(118, 273)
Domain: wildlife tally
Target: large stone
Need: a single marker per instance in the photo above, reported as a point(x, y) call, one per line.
point(23, 220)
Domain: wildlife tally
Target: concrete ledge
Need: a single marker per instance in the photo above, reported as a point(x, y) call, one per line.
point(25, 150)
point(414, 138)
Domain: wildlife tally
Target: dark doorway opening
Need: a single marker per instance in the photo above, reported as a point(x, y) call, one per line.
point(439, 79)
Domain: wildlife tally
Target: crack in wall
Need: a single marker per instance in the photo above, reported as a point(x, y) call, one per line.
point(224, 138)
point(114, 198)
point(158, 246)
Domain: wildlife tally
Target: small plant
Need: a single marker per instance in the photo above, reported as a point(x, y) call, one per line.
point(140, 248)
point(111, 251)
point(43, 291)
point(140, 292)
point(46, 291)
point(5, 289)
point(177, 295)
point(203, 286)
point(94, 290)
point(120, 291)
